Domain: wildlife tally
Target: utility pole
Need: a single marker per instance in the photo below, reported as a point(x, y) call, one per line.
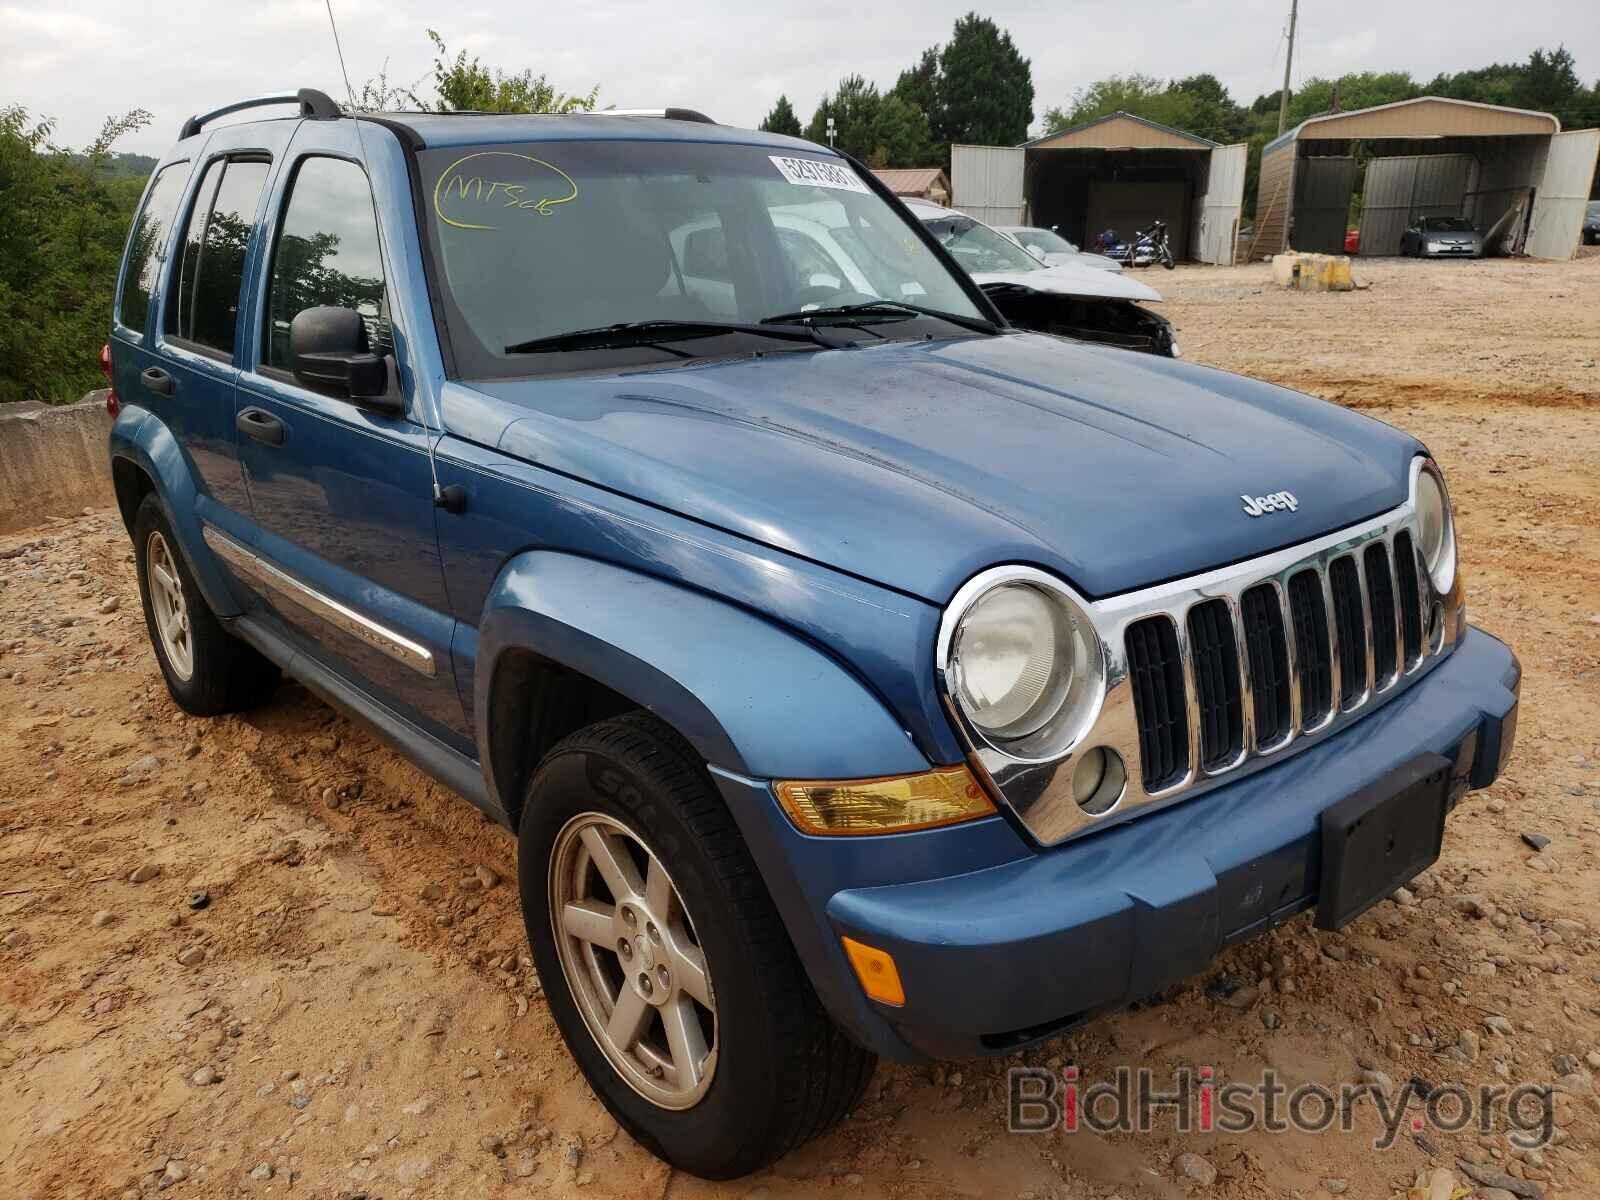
point(1288, 63)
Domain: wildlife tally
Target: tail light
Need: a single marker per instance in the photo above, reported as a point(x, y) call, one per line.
point(113, 405)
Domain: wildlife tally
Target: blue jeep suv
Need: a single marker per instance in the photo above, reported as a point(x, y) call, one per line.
point(860, 675)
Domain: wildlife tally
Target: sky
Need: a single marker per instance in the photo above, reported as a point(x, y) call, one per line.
point(80, 60)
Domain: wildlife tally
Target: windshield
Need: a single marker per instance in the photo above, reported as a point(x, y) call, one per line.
point(541, 239)
point(1448, 224)
point(977, 247)
point(1043, 240)
point(1594, 208)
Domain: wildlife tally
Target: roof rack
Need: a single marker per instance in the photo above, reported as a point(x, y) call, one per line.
point(313, 104)
point(670, 114)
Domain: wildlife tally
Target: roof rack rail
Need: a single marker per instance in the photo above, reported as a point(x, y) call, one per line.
point(313, 104)
point(670, 114)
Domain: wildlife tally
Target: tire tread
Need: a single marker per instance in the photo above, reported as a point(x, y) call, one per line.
point(824, 1073)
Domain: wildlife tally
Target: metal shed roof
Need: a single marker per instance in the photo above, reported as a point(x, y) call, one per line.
point(1424, 116)
point(1120, 131)
point(912, 180)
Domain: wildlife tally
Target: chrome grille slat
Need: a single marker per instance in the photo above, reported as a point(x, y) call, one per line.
point(1411, 601)
point(1292, 655)
point(1360, 559)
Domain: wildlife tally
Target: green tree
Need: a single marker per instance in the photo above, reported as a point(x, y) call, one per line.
point(854, 106)
point(1362, 89)
point(1199, 105)
point(782, 119)
point(882, 131)
point(65, 221)
point(1547, 82)
point(985, 86)
point(1141, 95)
point(903, 138)
point(919, 86)
point(466, 85)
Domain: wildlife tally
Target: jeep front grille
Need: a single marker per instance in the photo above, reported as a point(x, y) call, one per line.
point(1214, 676)
point(1220, 686)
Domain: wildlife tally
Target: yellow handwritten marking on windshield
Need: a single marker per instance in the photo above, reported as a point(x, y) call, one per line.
point(478, 189)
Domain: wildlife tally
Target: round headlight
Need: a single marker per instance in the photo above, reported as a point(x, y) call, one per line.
point(1021, 658)
point(1436, 535)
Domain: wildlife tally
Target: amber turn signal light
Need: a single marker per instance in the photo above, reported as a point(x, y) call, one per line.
point(894, 804)
point(879, 977)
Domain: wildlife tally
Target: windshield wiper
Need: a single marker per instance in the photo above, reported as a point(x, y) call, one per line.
point(880, 310)
point(653, 333)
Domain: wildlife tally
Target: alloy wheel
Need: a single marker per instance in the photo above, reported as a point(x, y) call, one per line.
point(168, 605)
point(632, 961)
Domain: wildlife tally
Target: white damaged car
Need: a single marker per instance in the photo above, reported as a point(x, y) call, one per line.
point(1067, 299)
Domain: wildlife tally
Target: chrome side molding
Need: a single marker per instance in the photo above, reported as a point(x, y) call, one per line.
point(282, 584)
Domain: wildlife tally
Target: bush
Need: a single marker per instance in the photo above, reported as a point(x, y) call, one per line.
point(63, 220)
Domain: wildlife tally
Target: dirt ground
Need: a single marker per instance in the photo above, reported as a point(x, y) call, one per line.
point(354, 1012)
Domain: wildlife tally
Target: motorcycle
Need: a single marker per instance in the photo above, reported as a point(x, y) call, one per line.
point(1111, 245)
point(1151, 246)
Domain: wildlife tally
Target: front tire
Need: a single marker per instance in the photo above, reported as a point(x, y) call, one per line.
point(665, 963)
point(208, 670)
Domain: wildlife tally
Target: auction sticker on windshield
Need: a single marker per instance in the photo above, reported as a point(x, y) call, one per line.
point(808, 172)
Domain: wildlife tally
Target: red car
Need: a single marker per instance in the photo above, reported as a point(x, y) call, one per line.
point(1352, 241)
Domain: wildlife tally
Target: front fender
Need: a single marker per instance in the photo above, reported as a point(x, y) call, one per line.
point(140, 437)
point(750, 696)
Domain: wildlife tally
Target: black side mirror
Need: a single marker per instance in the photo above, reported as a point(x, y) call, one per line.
point(328, 348)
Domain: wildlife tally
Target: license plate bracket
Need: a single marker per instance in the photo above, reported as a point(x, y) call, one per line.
point(1378, 838)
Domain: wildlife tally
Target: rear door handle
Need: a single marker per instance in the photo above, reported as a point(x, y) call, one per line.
point(157, 380)
point(261, 425)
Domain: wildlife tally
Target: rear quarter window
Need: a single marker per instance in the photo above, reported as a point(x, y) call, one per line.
point(148, 244)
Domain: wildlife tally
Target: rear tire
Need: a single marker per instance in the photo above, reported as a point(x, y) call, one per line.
point(775, 1070)
point(208, 670)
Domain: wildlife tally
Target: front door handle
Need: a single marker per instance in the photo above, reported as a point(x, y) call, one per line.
point(261, 425)
point(157, 380)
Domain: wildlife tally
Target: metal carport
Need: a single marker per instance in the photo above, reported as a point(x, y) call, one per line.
point(1119, 172)
point(1508, 170)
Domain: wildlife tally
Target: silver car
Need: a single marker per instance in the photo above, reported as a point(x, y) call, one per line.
point(1050, 248)
point(1442, 237)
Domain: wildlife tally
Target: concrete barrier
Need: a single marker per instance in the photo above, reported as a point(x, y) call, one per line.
point(1307, 272)
point(53, 461)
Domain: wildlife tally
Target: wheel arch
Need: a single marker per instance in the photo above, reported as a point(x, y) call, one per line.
point(567, 640)
point(146, 459)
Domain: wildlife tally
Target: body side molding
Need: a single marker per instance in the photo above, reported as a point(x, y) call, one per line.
point(281, 583)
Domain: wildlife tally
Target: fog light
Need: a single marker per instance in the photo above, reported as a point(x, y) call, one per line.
point(1098, 781)
point(896, 804)
point(880, 979)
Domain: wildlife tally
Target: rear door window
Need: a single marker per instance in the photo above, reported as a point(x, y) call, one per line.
point(204, 307)
point(148, 248)
point(328, 254)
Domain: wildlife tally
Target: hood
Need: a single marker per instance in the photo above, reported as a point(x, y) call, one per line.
point(1072, 281)
point(917, 464)
point(1089, 262)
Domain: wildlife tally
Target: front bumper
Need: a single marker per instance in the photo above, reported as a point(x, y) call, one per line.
point(1452, 250)
point(999, 945)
